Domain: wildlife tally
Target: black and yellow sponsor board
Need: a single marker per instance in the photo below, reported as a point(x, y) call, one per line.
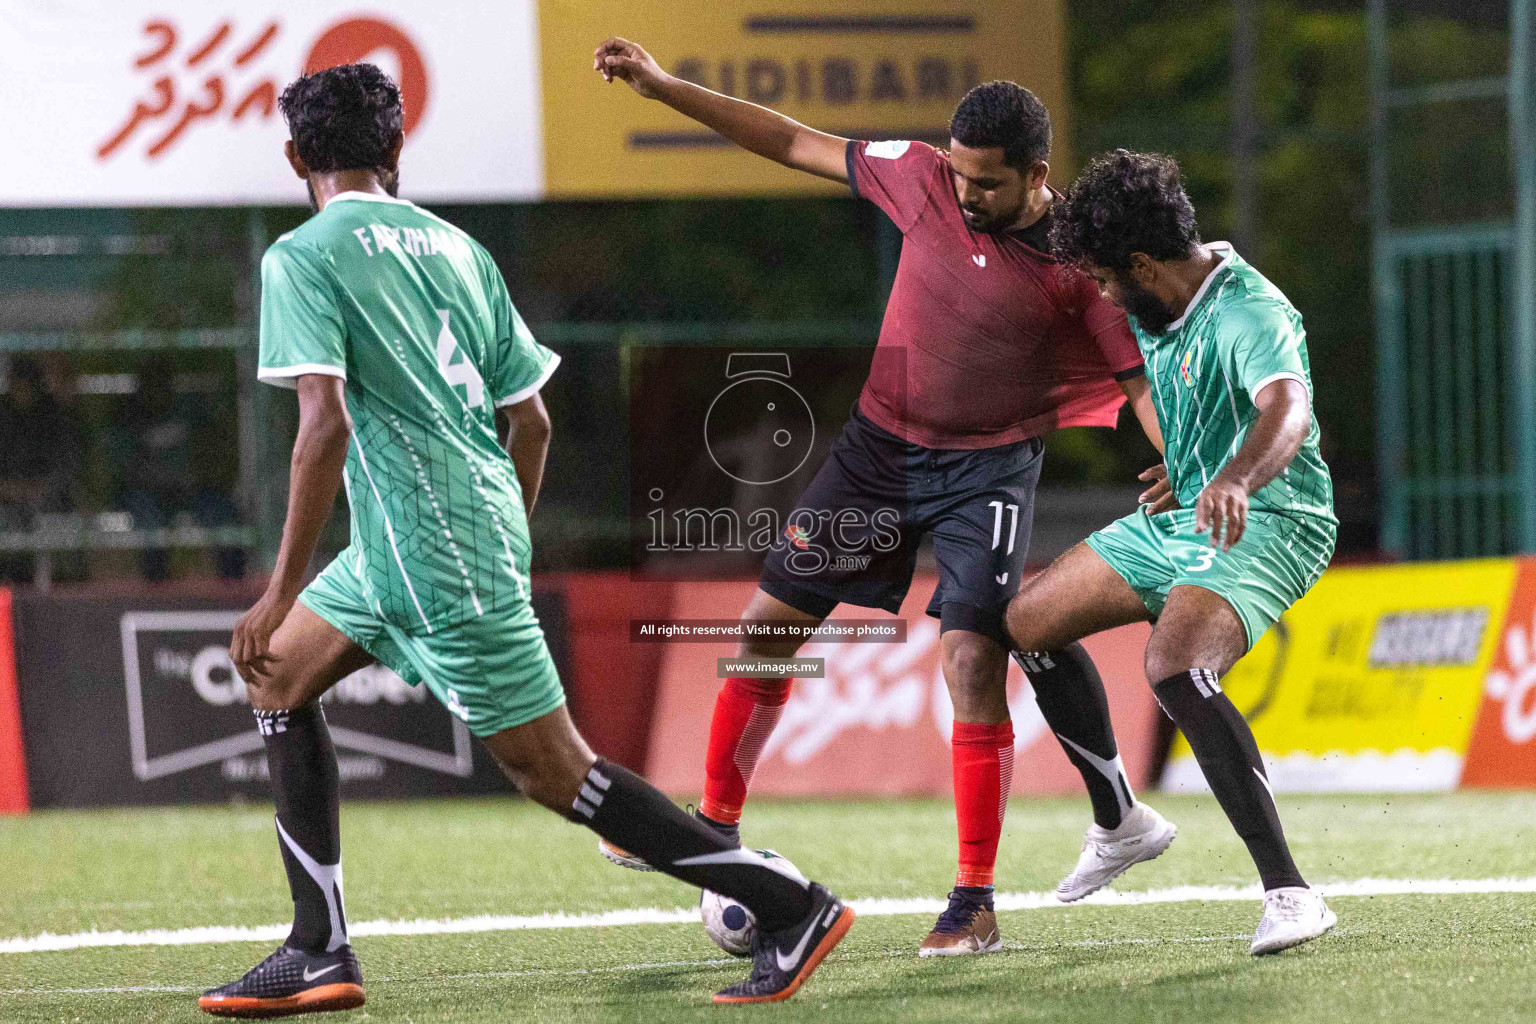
point(1373, 681)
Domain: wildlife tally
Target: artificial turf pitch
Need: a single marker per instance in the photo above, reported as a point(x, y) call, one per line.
point(1441, 958)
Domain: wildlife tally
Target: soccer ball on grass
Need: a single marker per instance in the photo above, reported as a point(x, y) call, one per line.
point(730, 925)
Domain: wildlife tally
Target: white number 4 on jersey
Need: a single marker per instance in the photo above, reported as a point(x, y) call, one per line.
point(463, 372)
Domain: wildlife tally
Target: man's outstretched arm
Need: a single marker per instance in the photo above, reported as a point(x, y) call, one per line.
point(319, 456)
point(758, 129)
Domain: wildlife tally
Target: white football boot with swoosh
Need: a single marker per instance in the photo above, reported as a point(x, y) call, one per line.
point(1108, 854)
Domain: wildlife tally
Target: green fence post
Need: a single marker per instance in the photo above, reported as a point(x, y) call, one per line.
point(1523, 328)
point(1390, 442)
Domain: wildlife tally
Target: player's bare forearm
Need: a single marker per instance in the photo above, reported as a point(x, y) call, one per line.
point(760, 130)
point(319, 458)
point(755, 128)
point(526, 439)
point(1159, 496)
point(1138, 392)
point(1284, 420)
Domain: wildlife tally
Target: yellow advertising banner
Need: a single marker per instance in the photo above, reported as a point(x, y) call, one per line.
point(866, 69)
point(1372, 682)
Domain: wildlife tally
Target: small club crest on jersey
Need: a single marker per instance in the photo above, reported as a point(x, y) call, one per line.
point(1185, 369)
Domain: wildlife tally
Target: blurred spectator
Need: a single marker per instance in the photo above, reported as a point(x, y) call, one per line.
point(165, 440)
point(42, 448)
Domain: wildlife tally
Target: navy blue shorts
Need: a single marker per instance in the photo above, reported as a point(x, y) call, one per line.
point(854, 534)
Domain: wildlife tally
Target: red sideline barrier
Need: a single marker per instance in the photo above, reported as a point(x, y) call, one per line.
point(879, 722)
point(612, 683)
point(13, 758)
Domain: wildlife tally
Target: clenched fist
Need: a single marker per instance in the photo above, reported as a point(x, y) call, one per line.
point(628, 62)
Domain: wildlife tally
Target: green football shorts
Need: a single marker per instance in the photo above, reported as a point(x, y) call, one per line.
point(493, 672)
point(1275, 563)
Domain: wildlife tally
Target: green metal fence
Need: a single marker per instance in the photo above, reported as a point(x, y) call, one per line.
point(1456, 322)
point(1451, 447)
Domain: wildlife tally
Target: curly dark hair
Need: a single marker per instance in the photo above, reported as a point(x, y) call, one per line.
point(1125, 202)
point(1007, 115)
point(343, 118)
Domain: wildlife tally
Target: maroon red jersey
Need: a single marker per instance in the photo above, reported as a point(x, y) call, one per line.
point(986, 340)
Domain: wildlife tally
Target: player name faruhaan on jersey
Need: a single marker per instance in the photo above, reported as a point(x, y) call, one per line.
point(413, 314)
point(411, 241)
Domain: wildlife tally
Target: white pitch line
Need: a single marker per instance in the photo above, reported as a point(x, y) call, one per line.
point(884, 954)
point(48, 942)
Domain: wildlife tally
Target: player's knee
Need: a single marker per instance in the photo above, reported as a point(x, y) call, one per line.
point(551, 782)
point(546, 764)
point(976, 671)
point(1163, 659)
point(1020, 624)
point(278, 692)
point(555, 790)
point(968, 668)
point(763, 613)
point(754, 645)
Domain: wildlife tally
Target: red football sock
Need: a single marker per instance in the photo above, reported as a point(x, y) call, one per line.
point(982, 756)
point(746, 711)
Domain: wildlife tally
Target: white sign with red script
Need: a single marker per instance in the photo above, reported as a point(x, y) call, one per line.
point(118, 102)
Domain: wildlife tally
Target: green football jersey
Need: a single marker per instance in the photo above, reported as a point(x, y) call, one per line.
point(1239, 334)
point(414, 316)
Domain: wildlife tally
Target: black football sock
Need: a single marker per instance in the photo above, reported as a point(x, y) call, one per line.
point(629, 812)
point(1071, 697)
point(1228, 756)
point(302, 763)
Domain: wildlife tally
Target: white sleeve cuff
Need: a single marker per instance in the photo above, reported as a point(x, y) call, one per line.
point(1253, 392)
point(523, 394)
point(287, 376)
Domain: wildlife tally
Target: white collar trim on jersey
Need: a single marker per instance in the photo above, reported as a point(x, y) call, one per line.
point(1226, 261)
point(368, 197)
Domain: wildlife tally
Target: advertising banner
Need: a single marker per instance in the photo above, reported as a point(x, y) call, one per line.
point(1374, 680)
point(1502, 751)
point(135, 701)
point(868, 69)
point(174, 103)
point(13, 756)
point(878, 720)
